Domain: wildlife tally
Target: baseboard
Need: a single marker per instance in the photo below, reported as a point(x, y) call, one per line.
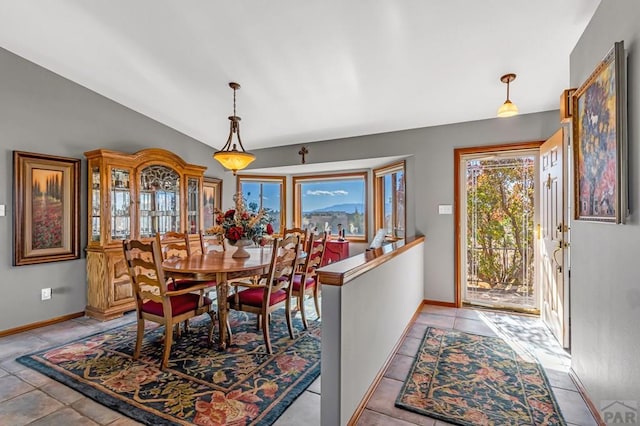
point(583, 393)
point(439, 303)
point(39, 324)
point(367, 396)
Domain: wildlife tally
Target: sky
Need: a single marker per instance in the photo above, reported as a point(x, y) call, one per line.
point(270, 194)
point(315, 195)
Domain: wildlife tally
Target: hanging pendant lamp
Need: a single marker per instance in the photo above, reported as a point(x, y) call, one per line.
point(229, 156)
point(508, 108)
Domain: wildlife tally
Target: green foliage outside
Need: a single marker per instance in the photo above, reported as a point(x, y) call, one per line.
point(500, 203)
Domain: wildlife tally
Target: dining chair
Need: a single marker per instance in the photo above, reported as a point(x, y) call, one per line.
point(302, 233)
point(210, 243)
point(273, 289)
point(179, 245)
point(175, 245)
point(307, 275)
point(155, 301)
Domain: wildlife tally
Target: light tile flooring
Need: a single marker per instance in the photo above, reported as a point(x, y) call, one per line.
point(523, 332)
point(30, 398)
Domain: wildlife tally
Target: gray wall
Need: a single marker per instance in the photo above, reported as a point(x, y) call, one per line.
point(44, 113)
point(429, 175)
point(605, 296)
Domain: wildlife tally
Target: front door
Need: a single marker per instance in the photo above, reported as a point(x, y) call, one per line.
point(552, 237)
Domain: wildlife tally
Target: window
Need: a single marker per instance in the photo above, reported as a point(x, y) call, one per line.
point(324, 202)
point(388, 199)
point(265, 192)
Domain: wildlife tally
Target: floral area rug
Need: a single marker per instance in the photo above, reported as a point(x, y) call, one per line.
point(467, 379)
point(242, 386)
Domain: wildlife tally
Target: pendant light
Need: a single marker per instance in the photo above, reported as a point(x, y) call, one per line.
point(229, 156)
point(508, 108)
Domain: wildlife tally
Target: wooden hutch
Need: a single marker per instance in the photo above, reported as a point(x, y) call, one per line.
point(133, 196)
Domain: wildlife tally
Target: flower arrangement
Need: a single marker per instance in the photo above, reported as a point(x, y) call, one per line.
point(242, 223)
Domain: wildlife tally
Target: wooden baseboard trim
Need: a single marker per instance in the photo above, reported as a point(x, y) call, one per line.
point(367, 396)
point(583, 393)
point(439, 303)
point(39, 324)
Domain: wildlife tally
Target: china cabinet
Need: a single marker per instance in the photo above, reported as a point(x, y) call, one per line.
point(133, 196)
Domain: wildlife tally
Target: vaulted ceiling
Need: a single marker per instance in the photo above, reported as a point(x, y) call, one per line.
point(309, 70)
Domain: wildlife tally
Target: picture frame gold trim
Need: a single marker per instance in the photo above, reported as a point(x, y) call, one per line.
point(600, 142)
point(211, 200)
point(46, 219)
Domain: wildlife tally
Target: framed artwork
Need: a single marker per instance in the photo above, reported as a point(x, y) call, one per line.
point(46, 220)
point(211, 200)
point(600, 142)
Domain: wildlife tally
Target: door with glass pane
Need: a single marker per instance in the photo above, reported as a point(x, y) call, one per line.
point(159, 202)
point(498, 197)
point(120, 204)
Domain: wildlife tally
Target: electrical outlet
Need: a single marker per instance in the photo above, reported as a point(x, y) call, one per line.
point(1, 209)
point(45, 293)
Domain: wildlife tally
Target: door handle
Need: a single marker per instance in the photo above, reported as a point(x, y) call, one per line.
point(555, 252)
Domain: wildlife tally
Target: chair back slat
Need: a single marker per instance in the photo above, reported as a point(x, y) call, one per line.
point(173, 244)
point(316, 253)
point(144, 262)
point(282, 266)
point(302, 233)
point(211, 243)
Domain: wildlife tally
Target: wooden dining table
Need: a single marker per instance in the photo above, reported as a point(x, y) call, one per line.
point(221, 267)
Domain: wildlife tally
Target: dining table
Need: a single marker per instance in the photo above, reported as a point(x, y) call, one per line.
point(222, 267)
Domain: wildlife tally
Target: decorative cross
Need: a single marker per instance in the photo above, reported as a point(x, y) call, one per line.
point(303, 152)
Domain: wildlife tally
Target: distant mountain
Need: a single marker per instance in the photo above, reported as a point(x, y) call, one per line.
point(345, 207)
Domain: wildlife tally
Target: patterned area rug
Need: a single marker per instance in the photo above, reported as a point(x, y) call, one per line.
point(242, 386)
point(467, 379)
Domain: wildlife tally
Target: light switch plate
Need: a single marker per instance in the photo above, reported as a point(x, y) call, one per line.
point(445, 209)
point(1, 209)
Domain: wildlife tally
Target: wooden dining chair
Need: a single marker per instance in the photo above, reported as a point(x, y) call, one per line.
point(302, 233)
point(155, 302)
point(307, 275)
point(175, 245)
point(273, 289)
point(179, 245)
point(211, 243)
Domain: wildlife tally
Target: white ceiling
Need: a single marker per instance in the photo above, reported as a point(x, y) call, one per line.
point(309, 70)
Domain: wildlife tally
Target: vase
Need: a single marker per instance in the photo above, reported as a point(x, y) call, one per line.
point(240, 252)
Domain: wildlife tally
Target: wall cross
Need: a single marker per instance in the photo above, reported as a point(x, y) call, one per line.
point(303, 152)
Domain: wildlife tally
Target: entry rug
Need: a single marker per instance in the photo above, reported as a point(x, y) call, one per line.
point(242, 386)
point(467, 379)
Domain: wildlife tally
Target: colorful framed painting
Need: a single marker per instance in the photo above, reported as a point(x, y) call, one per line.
point(600, 142)
point(211, 200)
point(46, 221)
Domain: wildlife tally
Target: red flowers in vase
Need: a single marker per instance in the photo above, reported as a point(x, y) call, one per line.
point(241, 223)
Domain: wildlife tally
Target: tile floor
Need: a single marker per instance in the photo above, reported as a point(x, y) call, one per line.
point(30, 398)
point(523, 332)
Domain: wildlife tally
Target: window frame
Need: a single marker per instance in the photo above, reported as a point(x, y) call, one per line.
point(282, 180)
point(378, 198)
point(297, 197)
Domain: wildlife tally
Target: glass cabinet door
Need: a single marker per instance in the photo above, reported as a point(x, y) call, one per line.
point(95, 204)
point(193, 214)
point(120, 204)
point(159, 201)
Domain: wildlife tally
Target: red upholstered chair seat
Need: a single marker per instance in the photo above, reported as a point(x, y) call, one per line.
point(253, 297)
point(179, 304)
point(309, 282)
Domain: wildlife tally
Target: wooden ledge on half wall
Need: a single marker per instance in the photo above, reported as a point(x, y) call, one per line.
point(340, 273)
